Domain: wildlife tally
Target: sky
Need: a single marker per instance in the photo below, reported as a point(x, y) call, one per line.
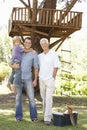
point(6, 9)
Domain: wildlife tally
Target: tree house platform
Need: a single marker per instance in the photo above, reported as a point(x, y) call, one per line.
point(46, 22)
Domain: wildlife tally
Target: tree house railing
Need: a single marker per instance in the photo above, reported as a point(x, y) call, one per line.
point(46, 17)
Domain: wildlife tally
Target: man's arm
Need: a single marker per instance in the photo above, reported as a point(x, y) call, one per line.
point(55, 72)
point(35, 77)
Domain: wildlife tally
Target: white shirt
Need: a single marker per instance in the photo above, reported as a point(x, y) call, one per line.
point(47, 63)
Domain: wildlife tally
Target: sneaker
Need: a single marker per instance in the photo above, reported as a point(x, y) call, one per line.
point(9, 86)
point(47, 122)
point(35, 120)
point(18, 120)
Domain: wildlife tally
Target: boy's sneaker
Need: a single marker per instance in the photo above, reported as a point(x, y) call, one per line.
point(9, 86)
point(35, 120)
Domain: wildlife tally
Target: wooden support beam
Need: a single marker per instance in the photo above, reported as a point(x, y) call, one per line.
point(29, 3)
point(62, 40)
point(55, 43)
point(61, 43)
point(69, 8)
point(51, 31)
point(34, 31)
point(41, 33)
point(24, 3)
point(42, 4)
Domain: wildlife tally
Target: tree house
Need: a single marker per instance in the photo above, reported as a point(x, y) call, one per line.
point(44, 21)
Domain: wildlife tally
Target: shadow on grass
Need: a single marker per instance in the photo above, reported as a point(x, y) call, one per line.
point(71, 100)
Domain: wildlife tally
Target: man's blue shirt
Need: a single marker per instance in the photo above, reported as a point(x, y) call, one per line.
point(29, 60)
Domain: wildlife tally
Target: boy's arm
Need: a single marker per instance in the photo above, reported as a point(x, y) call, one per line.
point(29, 50)
point(14, 66)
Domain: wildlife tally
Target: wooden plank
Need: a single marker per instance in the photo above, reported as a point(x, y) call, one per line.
point(47, 17)
point(40, 16)
point(80, 20)
point(21, 15)
point(70, 18)
point(25, 15)
point(56, 17)
point(18, 14)
point(52, 16)
point(15, 15)
point(60, 18)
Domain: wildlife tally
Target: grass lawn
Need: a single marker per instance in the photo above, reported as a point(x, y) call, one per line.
point(7, 110)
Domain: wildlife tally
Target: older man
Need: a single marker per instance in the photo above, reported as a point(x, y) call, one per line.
point(48, 67)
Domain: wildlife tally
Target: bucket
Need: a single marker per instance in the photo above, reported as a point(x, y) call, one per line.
point(63, 119)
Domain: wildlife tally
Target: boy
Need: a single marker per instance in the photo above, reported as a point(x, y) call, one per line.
point(15, 77)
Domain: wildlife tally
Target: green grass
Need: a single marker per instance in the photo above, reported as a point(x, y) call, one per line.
point(7, 110)
point(7, 122)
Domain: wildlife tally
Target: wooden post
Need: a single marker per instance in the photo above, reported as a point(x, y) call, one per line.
point(34, 16)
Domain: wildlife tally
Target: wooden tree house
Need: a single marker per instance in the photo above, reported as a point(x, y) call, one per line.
point(44, 21)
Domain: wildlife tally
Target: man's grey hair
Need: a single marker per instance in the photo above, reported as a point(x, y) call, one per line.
point(44, 39)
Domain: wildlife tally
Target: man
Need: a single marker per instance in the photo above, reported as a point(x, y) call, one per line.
point(29, 60)
point(48, 66)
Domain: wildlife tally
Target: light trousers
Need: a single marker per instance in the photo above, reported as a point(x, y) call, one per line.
point(46, 92)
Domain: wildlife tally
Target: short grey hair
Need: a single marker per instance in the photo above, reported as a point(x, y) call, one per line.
point(44, 39)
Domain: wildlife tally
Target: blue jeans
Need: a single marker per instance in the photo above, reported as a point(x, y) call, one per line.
point(30, 94)
point(15, 77)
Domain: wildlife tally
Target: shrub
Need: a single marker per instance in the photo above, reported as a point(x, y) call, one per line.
point(72, 84)
point(4, 70)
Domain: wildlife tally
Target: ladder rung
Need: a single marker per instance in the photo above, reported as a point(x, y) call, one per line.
point(65, 79)
point(66, 71)
point(66, 62)
point(66, 50)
